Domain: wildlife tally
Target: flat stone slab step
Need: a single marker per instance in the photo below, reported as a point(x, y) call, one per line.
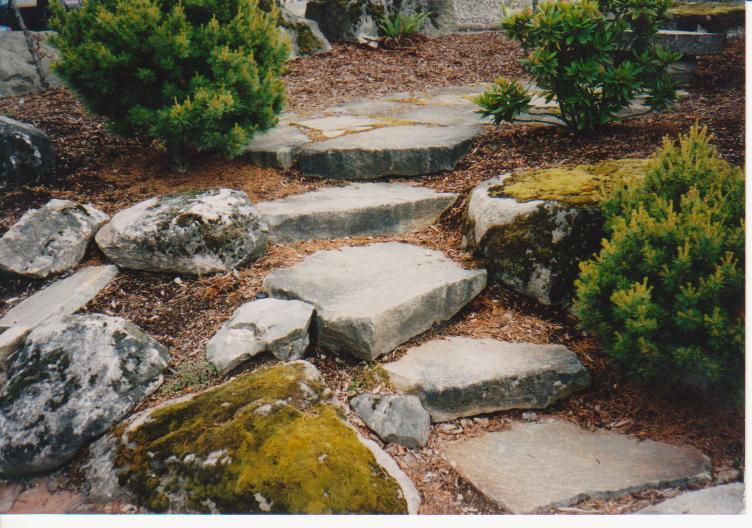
point(62, 297)
point(461, 376)
point(360, 209)
point(719, 500)
point(370, 299)
point(534, 467)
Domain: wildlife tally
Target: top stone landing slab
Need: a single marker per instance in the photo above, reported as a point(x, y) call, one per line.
point(405, 134)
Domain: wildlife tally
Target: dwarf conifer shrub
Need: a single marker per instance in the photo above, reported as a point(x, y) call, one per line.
point(592, 56)
point(199, 75)
point(666, 293)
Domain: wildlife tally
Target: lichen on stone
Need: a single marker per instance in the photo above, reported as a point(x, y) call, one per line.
point(269, 441)
point(579, 184)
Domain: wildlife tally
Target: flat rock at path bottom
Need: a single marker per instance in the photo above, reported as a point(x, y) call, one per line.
point(360, 209)
point(370, 299)
point(719, 500)
point(62, 297)
point(405, 150)
point(461, 376)
point(534, 467)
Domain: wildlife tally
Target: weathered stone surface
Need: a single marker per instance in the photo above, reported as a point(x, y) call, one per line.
point(195, 233)
point(710, 16)
point(533, 467)
point(278, 148)
point(62, 297)
point(49, 240)
point(73, 379)
point(691, 43)
point(389, 151)
point(305, 36)
point(370, 299)
point(719, 500)
point(356, 210)
point(534, 228)
point(26, 153)
point(10, 341)
point(267, 325)
point(270, 441)
point(484, 14)
point(395, 418)
point(461, 376)
point(17, 72)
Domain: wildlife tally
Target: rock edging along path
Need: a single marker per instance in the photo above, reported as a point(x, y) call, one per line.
point(360, 209)
point(534, 467)
point(370, 299)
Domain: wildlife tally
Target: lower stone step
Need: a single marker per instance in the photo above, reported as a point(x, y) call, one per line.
point(461, 376)
point(360, 209)
point(534, 467)
point(718, 500)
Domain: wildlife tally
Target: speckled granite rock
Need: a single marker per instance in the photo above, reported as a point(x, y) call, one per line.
point(26, 153)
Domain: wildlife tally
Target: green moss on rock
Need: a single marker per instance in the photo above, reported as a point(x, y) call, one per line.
point(717, 17)
point(579, 184)
point(267, 441)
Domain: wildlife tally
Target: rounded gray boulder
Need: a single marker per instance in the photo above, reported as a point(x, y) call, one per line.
point(195, 233)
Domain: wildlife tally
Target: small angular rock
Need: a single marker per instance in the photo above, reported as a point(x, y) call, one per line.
point(26, 153)
point(534, 467)
point(195, 233)
point(395, 418)
point(370, 299)
point(73, 379)
point(267, 325)
point(461, 376)
point(49, 240)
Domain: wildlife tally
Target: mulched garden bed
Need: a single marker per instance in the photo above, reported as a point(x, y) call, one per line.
point(110, 172)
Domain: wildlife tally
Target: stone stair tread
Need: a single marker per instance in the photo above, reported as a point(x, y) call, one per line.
point(355, 210)
point(370, 299)
point(462, 376)
point(533, 467)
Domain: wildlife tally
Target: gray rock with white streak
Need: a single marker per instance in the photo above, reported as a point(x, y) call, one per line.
point(73, 379)
point(26, 153)
point(395, 418)
point(49, 240)
point(267, 325)
point(195, 233)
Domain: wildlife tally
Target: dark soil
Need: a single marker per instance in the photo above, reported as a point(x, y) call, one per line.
point(110, 172)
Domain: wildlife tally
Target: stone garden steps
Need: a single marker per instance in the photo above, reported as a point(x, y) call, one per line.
point(533, 467)
point(361, 209)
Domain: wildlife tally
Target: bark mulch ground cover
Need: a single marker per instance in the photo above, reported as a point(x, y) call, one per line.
point(183, 313)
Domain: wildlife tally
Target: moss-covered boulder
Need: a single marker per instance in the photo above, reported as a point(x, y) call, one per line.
point(270, 441)
point(715, 17)
point(305, 36)
point(534, 227)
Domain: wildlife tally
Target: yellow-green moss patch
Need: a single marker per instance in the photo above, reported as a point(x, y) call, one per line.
point(574, 184)
point(267, 441)
point(707, 8)
point(717, 17)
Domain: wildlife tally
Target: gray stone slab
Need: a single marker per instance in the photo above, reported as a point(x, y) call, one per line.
point(370, 299)
point(454, 115)
point(335, 123)
point(356, 210)
point(719, 500)
point(534, 467)
point(394, 417)
point(691, 43)
point(389, 151)
point(62, 297)
point(461, 376)
point(278, 148)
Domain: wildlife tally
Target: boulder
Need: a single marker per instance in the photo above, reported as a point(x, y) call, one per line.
point(371, 299)
point(484, 14)
point(358, 20)
point(73, 379)
point(266, 325)
point(270, 441)
point(395, 418)
point(719, 500)
point(461, 376)
point(360, 209)
point(195, 233)
point(535, 467)
point(49, 240)
point(17, 71)
point(26, 153)
point(406, 150)
point(533, 228)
